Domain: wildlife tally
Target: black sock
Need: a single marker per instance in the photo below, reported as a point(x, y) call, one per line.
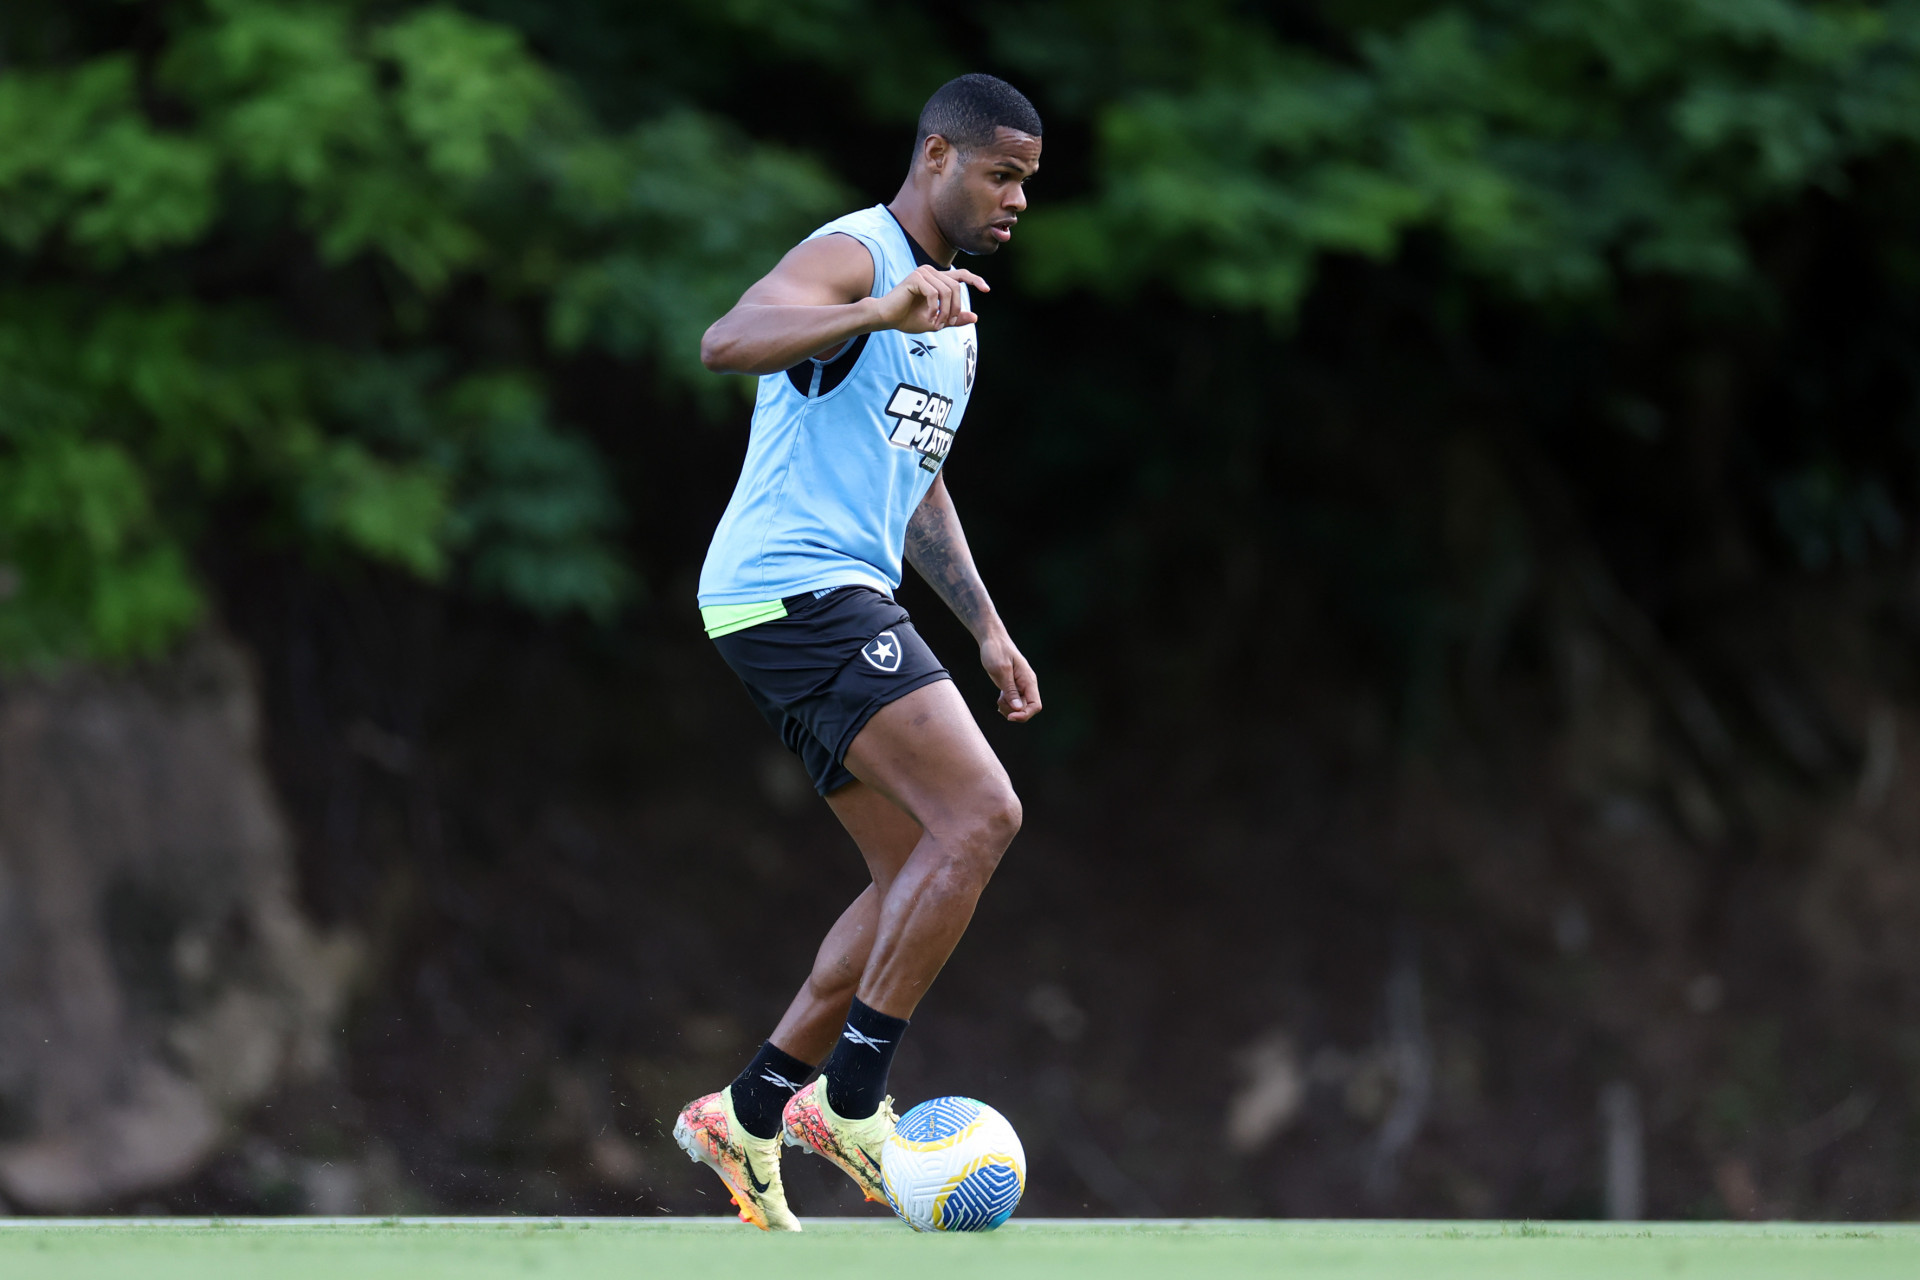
point(761, 1091)
point(856, 1070)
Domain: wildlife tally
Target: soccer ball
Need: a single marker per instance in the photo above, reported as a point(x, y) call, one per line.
point(953, 1164)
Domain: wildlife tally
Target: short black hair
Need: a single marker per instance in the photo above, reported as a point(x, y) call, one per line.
point(966, 111)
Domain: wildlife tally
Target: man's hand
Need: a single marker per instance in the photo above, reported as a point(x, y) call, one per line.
point(927, 300)
point(938, 550)
point(1019, 687)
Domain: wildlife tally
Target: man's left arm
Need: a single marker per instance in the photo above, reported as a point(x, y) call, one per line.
point(937, 549)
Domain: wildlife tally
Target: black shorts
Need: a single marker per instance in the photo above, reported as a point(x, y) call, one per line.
point(820, 673)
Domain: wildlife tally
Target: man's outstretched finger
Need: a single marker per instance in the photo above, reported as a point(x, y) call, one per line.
point(962, 314)
point(957, 312)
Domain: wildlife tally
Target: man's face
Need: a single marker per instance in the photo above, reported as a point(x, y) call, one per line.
point(979, 195)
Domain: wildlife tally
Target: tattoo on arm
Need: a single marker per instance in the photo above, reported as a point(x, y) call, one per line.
point(937, 550)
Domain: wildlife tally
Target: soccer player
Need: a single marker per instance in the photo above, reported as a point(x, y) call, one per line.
point(863, 338)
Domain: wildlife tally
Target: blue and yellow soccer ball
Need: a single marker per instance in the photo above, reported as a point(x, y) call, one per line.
point(953, 1164)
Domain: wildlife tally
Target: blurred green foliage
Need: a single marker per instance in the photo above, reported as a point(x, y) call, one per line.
point(1556, 146)
point(305, 274)
point(296, 271)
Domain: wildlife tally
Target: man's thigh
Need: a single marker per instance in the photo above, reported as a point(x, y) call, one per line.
point(885, 832)
point(925, 752)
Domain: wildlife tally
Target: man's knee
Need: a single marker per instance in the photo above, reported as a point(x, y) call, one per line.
point(1007, 815)
point(992, 819)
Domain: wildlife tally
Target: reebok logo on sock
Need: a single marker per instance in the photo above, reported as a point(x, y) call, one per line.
point(864, 1041)
point(856, 1070)
point(762, 1089)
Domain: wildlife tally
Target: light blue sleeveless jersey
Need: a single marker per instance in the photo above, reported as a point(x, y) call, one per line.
point(834, 473)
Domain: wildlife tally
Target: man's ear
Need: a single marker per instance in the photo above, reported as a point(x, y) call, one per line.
point(936, 152)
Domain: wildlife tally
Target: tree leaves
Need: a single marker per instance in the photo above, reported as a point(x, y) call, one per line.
point(1553, 146)
point(229, 286)
point(80, 158)
point(317, 262)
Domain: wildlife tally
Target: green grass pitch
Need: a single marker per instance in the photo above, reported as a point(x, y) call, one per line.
point(661, 1249)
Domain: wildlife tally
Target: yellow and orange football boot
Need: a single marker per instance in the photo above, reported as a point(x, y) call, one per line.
point(711, 1134)
point(810, 1122)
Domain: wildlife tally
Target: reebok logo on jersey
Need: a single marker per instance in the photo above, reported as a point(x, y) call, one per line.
point(863, 1040)
point(921, 423)
point(883, 651)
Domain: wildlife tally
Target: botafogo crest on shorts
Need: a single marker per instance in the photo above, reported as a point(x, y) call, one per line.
point(818, 674)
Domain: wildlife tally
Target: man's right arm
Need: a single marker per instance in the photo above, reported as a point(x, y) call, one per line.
point(817, 299)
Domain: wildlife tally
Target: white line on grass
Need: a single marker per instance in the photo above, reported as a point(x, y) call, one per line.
point(1311, 1226)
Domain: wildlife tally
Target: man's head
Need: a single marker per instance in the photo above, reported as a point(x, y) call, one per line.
point(979, 142)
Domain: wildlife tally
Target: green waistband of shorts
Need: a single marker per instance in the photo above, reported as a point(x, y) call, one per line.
point(725, 619)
